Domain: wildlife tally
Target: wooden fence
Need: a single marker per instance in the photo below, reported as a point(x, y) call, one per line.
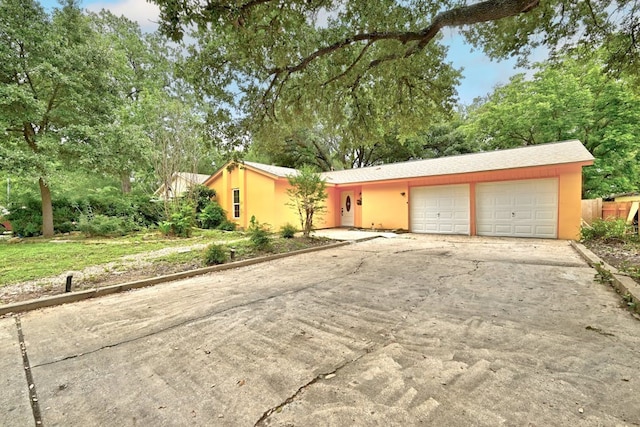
point(597, 209)
point(591, 210)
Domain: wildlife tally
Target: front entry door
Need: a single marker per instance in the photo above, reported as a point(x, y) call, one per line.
point(347, 207)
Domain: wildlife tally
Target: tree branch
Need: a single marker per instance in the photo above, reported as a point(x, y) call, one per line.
point(24, 70)
point(30, 136)
point(490, 10)
point(350, 67)
point(50, 104)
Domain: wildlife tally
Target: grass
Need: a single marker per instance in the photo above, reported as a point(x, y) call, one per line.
point(36, 258)
point(180, 257)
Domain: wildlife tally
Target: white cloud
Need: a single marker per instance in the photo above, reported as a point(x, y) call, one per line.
point(145, 13)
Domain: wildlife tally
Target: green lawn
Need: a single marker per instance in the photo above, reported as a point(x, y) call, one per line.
point(37, 258)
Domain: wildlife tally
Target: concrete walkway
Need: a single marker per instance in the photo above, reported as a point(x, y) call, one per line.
point(453, 331)
point(352, 235)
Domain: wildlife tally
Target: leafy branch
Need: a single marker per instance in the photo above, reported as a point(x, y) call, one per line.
point(490, 10)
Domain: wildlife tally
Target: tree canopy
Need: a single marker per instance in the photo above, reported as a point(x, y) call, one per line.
point(55, 92)
point(76, 91)
point(368, 65)
point(570, 100)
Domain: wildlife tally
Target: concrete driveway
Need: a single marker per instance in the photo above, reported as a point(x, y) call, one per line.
point(443, 331)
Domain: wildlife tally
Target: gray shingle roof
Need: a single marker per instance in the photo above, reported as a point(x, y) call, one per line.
point(534, 155)
point(273, 170)
point(196, 178)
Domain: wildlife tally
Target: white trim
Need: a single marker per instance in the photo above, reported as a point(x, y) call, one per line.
point(235, 204)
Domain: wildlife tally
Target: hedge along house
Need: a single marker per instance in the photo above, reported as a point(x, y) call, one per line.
point(532, 191)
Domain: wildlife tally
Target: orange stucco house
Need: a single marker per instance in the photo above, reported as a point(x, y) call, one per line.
point(532, 191)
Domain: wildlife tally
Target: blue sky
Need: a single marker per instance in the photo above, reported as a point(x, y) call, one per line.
point(480, 74)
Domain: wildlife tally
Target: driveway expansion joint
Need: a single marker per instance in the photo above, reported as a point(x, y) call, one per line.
point(33, 395)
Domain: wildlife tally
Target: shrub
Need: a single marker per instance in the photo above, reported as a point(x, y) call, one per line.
point(287, 231)
point(64, 227)
point(180, 223)
point(215, 254)
point(259, 235)
point(133, 212)
point(212, 216)
point(102, 225)
point(65, 215)
point(26, 217)
point(604, 229)
point(138, 209)
point(201, 196)
point(165, 227)
point(227, 225)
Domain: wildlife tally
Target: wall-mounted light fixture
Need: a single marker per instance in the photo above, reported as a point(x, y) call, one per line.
point(403, 194)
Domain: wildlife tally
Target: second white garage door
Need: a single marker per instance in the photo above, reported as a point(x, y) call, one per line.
point(442, 209)
point(527, 208)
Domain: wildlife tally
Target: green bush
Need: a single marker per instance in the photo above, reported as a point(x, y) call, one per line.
point(259, 235)
point(212, 216)
point(200, 195)
point(102, 225)
point(604, 229)
point(215, 254)
point(180, 223)
point(287, 231)
point(135, 212)
point(26, 217)
point(165, 227)
point(65, 215)
point(138, 209)
point(227, 225)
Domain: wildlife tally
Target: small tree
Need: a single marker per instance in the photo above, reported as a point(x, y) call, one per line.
point(307, 195)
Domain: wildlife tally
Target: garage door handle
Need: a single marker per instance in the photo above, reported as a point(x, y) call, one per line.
point(513, 214)
point(438, 214)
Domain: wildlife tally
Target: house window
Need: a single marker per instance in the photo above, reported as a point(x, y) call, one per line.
point(236, 203)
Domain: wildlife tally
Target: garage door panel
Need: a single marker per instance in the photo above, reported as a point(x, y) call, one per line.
point(527, 208)
point(503, 229)
point(525, 200)
point(545, 230)
point(440, 209)
point(523, 229)
point(461, 216)
point(522, 215)
point(506, 215)
point(545, 215)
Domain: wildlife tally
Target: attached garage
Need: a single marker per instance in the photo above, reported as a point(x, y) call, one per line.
point(531, 191)
point(440, 209)
point(526, 208)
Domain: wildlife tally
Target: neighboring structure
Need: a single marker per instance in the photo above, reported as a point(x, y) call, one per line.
point(180, 183)
point(533, 191)
point(5, 225)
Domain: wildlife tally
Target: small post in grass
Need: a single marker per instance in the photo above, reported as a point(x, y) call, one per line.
point(232, 253)
point(67, 287)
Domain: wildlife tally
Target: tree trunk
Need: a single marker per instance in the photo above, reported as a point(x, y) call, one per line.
point(47, 209)
point(125, 182)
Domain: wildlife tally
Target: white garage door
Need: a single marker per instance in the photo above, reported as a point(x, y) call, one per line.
point(526, 208)
point(442, 209)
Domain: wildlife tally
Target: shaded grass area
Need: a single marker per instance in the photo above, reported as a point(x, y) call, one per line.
point(31, 259)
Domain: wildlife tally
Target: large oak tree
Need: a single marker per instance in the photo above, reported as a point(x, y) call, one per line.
point(55, 92)
point(373, 65)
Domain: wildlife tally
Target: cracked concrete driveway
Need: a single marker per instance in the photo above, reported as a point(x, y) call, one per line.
point(453, 331)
